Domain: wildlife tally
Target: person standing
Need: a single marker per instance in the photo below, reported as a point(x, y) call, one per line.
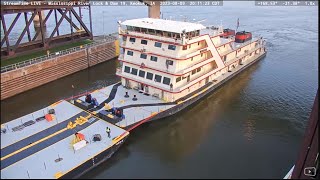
point(108, 131)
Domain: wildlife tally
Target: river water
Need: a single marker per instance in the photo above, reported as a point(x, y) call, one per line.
point(252, 127)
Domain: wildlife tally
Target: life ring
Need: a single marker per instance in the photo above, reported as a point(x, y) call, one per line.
point(142, 65)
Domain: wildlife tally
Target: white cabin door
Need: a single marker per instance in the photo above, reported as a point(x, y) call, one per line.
point(207, 80)
point(127, 83)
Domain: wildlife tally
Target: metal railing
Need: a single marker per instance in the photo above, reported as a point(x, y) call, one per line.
point(109, 38)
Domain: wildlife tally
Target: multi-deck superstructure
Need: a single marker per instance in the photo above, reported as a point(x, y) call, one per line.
point(171, 59)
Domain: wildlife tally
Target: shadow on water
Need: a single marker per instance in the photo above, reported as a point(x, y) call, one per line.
point(187, 129)
point(86, 80)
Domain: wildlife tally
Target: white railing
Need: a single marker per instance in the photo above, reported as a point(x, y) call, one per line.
point(196, 52)
point(194, 66)
point(39, 59)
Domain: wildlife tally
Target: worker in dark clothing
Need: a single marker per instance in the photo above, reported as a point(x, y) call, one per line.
point(171, 87)
point(108, 131)
point(88, 98)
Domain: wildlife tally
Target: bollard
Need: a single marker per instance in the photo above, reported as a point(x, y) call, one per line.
point(134, 98)
point(126, 96)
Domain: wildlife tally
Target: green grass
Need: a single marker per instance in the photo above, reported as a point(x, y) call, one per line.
point(41, 53)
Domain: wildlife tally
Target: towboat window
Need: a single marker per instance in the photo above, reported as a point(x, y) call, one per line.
point(144, 30)
point(172, 47)
point(166, 34)
point(175, 35)
point(157, 44)
point(130, 53)
point(127, 69)
point(197, 32)
point(142, 73)
point(169, 62)
point(129, 28)
point(157, 78)
point(134, 71)
point(153, 58)
point(143, 56)
point(149, 76)
point(194, 71)
point(137, 29)
point(144, 42)
point(199, 69)
point(159, 33)
point(166, 80)
point(188, 35)
point(193, 34)
point(178, 79)
point(151, 31)
point(132, 39)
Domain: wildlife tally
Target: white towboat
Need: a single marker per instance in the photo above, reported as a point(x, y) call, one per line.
point(167, 65)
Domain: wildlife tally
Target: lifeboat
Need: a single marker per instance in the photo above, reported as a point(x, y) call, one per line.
point(243, 36)
point(228, 32)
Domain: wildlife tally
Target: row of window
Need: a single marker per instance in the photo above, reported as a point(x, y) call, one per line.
point(196, 70)
point(152, 58)
point(156, 44)
point(144, 56)
point(157, 78)
point(154, 32)
point(183, 77)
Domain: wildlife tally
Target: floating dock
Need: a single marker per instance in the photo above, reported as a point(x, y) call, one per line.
point(35, 146)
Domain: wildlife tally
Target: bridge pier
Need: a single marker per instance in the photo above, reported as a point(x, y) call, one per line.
point(36, 20)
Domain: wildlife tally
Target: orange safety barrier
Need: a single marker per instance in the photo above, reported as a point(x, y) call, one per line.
point(48, 117)
point(80, 136)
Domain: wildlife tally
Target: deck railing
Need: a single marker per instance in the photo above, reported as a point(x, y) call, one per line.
point(109, 38)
